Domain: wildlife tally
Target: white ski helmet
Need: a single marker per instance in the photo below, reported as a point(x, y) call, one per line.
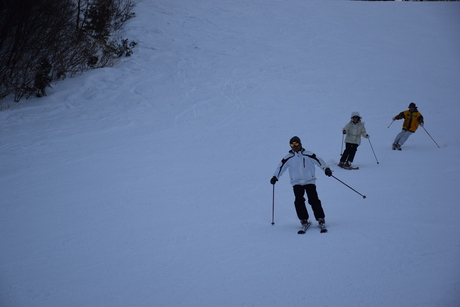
point(353, 114)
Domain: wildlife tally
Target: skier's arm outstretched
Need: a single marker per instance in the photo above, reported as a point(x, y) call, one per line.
point(320, 163)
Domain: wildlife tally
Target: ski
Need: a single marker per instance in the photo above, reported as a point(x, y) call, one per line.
point(351, 168)
point(323, 228)
point(304, 228)
point(344, 166)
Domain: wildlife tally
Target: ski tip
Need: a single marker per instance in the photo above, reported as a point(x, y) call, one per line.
point(304, 228)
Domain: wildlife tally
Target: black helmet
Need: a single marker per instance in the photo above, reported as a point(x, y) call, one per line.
point(295, 139)
point(412, 105)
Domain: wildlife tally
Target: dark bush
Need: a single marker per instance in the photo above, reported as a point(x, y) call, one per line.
point(42, 41)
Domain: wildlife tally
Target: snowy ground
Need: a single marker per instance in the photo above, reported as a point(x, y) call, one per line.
point(147, 184)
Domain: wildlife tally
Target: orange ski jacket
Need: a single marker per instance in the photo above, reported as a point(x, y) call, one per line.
point(411, 119)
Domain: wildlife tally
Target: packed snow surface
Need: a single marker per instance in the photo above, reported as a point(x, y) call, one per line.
point(147, 183)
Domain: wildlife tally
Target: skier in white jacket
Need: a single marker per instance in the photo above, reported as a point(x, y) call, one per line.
point(353, 130)
point(301, 164)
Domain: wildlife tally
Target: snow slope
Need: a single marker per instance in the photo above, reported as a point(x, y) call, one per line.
point(147, 184)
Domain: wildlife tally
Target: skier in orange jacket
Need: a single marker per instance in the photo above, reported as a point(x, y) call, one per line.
point(412, 119)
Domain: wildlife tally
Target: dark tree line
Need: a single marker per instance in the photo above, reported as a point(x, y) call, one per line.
point(42, 41)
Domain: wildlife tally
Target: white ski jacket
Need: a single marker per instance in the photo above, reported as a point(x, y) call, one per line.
point(301, 167)
point(354, 132)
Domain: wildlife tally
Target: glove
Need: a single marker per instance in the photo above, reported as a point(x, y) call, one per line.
point(367, 136)
point(394, 118)
point(273, 180)
point(328, 172)
point(344, 131)
point(422, 124)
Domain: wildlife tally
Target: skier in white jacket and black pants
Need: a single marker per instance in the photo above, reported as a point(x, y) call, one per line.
point(301, 164)
point(353, 130)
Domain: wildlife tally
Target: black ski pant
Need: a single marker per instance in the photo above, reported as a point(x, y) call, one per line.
point(313, 200)
point(349, 152)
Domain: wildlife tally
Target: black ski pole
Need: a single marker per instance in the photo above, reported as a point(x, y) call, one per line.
point(364, 196)
point(431, 137)
point(341, 148)
point(391, 123)
point(373, 150)
point(273, 206)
